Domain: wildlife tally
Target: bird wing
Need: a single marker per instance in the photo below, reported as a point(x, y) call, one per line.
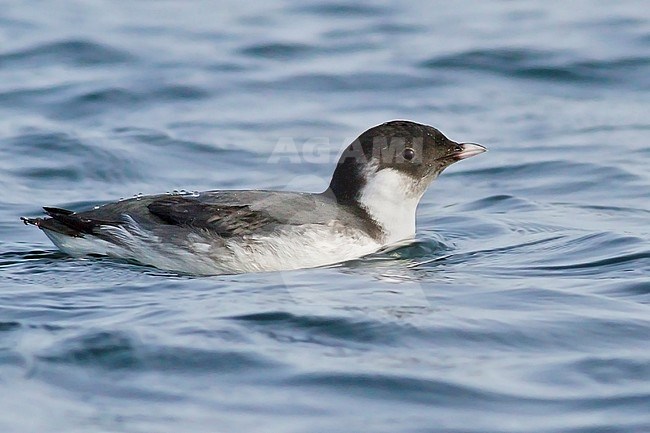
point(226, 220)
point(223, 213)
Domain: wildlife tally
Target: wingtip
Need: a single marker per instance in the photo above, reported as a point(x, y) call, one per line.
point(30, 221)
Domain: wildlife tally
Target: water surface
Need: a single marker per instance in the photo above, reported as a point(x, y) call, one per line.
point(523, 305)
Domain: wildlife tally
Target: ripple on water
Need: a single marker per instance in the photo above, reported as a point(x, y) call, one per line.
point(71, 52)
point(537, 64)
point(278, 50)
point(352, 82)
point(344, 331)
point(116, 350)
point(500, 203)
point(524, 332)
point(621, 262)
point(558, 169)
point(603, 255)
point(343, 9)
point(443, 394)
point(77, 101)
point(604, 369)
point(56, 156)
point(398, 388)
point(20, 258)
point(558, 178)
point(9, 326)
point(423, 247)
point(91, 102)
point(636, 289)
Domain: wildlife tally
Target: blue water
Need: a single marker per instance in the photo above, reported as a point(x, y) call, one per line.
point(523, 306)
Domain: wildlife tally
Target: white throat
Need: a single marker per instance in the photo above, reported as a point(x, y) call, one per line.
point(389, 198)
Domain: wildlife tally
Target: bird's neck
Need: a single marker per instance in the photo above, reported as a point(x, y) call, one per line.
point(388, 197)
point(348, 179)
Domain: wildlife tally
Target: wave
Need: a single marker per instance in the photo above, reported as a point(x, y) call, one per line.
point(118, 350)
point(535, 64)
point(285, 326)
point(352, 82)
point(74, 52)
point(53, 156)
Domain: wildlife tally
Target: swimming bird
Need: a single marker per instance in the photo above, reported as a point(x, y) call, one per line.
point(370, 204)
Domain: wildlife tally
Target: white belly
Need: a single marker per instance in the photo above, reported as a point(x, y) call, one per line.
point(304, 248)
point(294, 248)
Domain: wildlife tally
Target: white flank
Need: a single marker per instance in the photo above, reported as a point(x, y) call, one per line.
point(297, 247)
point(306, 246)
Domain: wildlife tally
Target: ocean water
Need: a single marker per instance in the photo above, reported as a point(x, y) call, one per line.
point(522, 306)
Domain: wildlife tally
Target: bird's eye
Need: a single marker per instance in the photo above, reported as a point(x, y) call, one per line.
point(408, 154)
